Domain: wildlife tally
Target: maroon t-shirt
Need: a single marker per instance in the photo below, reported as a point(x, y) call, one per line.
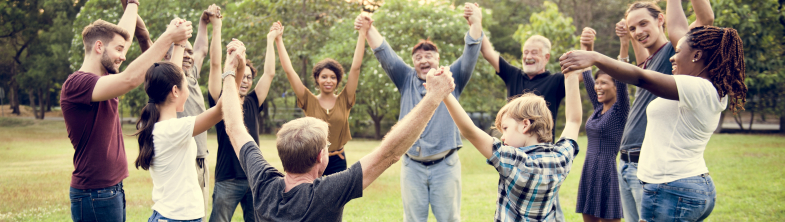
point(94, 130)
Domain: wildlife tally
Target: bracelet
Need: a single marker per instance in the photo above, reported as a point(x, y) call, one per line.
point(223, 76)
point(625, 59)
point(181, 46)
point(133, 2)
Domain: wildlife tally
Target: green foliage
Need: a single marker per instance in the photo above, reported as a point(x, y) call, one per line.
point(761, 26)
point(553, 25)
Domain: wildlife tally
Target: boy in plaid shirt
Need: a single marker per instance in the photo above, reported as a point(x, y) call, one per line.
point(531, 167)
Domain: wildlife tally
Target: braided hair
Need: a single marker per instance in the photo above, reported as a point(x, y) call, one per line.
point(725, 61)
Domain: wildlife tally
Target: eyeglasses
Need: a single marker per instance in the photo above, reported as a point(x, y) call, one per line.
point(328, 145)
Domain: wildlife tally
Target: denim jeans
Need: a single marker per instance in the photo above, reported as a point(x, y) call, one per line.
point(157, 217)
point(226, 195)
point(688, 199)
point(631, 190)
point(438, 185)
point(104, 204)
point(558, 215)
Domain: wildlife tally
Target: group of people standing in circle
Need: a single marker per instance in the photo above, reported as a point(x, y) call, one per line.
point(661, 136)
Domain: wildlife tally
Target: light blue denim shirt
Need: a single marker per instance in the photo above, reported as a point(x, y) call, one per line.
point(441, 134)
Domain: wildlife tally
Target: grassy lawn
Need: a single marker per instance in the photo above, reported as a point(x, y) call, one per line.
point(36, 164)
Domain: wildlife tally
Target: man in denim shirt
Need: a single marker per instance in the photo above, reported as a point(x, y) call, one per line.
point(430, 173)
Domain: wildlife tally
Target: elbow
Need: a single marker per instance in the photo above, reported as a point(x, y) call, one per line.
point(709, 19)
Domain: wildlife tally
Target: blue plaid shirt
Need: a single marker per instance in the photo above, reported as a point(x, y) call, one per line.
point(529, 177)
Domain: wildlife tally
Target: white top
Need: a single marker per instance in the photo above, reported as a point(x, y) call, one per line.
point(176, 190)
point(678, 131)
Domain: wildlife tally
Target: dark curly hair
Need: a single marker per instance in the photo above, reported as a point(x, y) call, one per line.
point(725, 61)
point(250, 65)
point(330, 64)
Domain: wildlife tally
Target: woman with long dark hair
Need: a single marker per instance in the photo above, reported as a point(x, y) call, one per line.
point(166, 144)
point(709, 73)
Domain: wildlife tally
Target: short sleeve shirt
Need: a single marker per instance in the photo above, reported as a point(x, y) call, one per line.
point(549, 86)
point(337, 117)
point(679, 130)
point(322, 200)
point(194, 106)
point(176, 191)
point(227, 166)
point(94, 131)
point(529, 177)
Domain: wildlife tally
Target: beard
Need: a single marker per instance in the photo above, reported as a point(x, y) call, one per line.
point(531, 69)
point(107, 63)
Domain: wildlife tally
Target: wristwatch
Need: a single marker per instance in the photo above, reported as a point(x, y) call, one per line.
point(223, 76)
point(625, 59)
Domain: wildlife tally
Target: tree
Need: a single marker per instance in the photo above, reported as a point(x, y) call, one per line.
point(761, 26)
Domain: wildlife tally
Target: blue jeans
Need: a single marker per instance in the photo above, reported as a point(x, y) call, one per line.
point(438, 185)
point(104, 204)
point(688, 199)
point(631, 190)
point(558, 215)
point(226, 195)
point(157, 217)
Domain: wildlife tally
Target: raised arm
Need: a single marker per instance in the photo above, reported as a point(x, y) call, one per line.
point(233, 116)
point(373, 36)
point(490, 54)
point(481, 140)
point(178, 49)
point(142, 35)
point(463, 67)
point(357, 60)
point(573, 111)
point(214, 115)
point(625, 39)
point(587, 43)
point(128, 22)
point(677, 22)
point(263, 86)
point(214, 80)
point(474, 19)
point(657, 83)
point(111, 86)
point(286, 63)
point(408, 130)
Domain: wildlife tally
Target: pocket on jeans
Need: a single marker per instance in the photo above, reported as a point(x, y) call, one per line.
point(76, 209)
point(689, 208)
point(452, 159)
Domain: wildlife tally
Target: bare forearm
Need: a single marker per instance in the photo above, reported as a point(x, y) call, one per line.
point(677, 23)
point(489, 53)
point(624, 48)
point(640, 52)
point(481, 140)
point(375, 39)
point(177, 56)
point(128, 23)
point(201, 42)
point(137, 69)
point(621, 71)
point(475, 30)
point(233, 116)
point(286, 63)
point(704, 15)
point(572, 106)
point(214, 80)
point(357, 62)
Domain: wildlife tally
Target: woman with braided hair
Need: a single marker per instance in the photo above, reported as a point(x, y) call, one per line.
point(709, 73)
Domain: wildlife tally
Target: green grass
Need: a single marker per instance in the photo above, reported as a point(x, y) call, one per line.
point(36, 164)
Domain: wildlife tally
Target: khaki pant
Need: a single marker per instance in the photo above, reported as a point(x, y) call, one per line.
point(204, 178)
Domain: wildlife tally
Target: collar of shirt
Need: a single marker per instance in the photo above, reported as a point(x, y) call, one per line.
point(541, 75)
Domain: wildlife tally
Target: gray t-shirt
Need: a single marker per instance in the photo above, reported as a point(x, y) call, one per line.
point(635, 129)
point(322, 200)
point(194, 106)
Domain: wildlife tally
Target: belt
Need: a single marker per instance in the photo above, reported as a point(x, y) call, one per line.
point(432, 162)
point(339, 153)
point(630, 157)
point(702, 175)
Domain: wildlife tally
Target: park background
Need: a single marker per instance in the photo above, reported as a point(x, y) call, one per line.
point(41, 45)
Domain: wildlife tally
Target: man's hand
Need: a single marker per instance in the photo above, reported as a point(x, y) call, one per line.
point(125, 3)
point(276, 30)
point(361, 21)
point(235, 54)
point(439, 82)
point(587, 39)
point(622, 32)
point(212, 14)
point(179, 30)
point(576, 60)
point(472, 13)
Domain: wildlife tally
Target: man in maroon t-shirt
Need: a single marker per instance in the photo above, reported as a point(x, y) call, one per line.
point(89, 102)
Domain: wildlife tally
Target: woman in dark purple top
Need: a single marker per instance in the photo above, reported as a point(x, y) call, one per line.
point(598, 192)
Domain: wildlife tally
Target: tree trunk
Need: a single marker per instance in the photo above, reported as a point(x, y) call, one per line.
point(719, 126)
point(752, 119)
point(737, 117)
point(41, 103)
point(31, 99)
point(782, 123)
point(13, 98)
